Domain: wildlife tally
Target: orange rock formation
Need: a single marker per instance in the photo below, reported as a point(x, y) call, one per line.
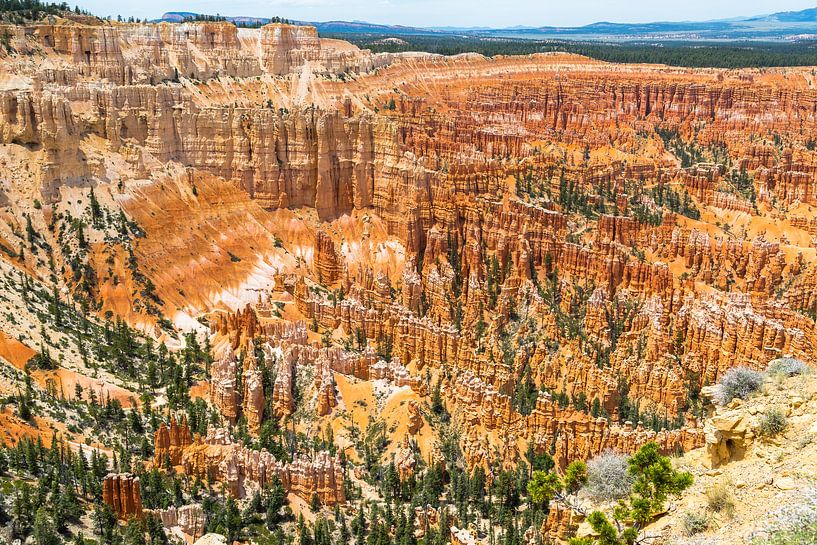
point(170, 442)
point(242, 470)
point(611, 238)
point(122, 493)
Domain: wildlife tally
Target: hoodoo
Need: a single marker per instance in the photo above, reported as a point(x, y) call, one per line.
point(357, 293)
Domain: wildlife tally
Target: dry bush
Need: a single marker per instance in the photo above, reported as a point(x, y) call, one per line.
point(607, 476)
point(786, 367)
point(719, 498)
point(738, 382)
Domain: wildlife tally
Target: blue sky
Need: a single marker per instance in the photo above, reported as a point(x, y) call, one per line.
point(493, 13)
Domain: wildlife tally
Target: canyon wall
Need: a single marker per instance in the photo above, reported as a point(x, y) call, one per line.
point(563, 251)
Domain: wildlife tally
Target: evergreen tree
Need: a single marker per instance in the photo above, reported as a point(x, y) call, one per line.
point(135, 533)
point(45, 533)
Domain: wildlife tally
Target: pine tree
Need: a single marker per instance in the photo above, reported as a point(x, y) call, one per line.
point(44, 531)
point(135, 533)
point(233, 520)
point(21, 510)
point(96, 210)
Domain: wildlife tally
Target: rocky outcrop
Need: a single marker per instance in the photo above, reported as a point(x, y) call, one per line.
point(462, 536)
point(211, 539)
point(286, 46)
point(568, 433)
point(412, 337)
point(392, 371)
point(728, 436)
point(170, 441)
point(137, 53)
point(123, 494)
point(425, 518)
point(404, 459)
point(240, 326)
point(190, 519)
point(560, 524)
point(325, 386)
point(223, 385)
point(328, 266)
point(721, 334)
point(283, 401)
point(415, 418)
point(243, 471)
point(253, 397)
point(321, 476)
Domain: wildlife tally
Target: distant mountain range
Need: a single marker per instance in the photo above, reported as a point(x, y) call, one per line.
point(788, 25)
point(343, 27)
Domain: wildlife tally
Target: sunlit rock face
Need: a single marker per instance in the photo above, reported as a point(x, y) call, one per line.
point(557, 252)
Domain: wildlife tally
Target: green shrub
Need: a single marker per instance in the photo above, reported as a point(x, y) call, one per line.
point(772, 422)
point(655, 481)
point(575, 476)
point(787, 367)
point(695, 523)
point(796, 536)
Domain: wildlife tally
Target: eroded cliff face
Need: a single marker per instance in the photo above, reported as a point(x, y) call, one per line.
point(123, 494)
point(127, 54)
point(243, 471)
point(556, 252)
point(170, 442)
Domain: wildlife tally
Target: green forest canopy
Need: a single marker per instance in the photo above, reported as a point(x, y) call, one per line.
point(687, 54)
